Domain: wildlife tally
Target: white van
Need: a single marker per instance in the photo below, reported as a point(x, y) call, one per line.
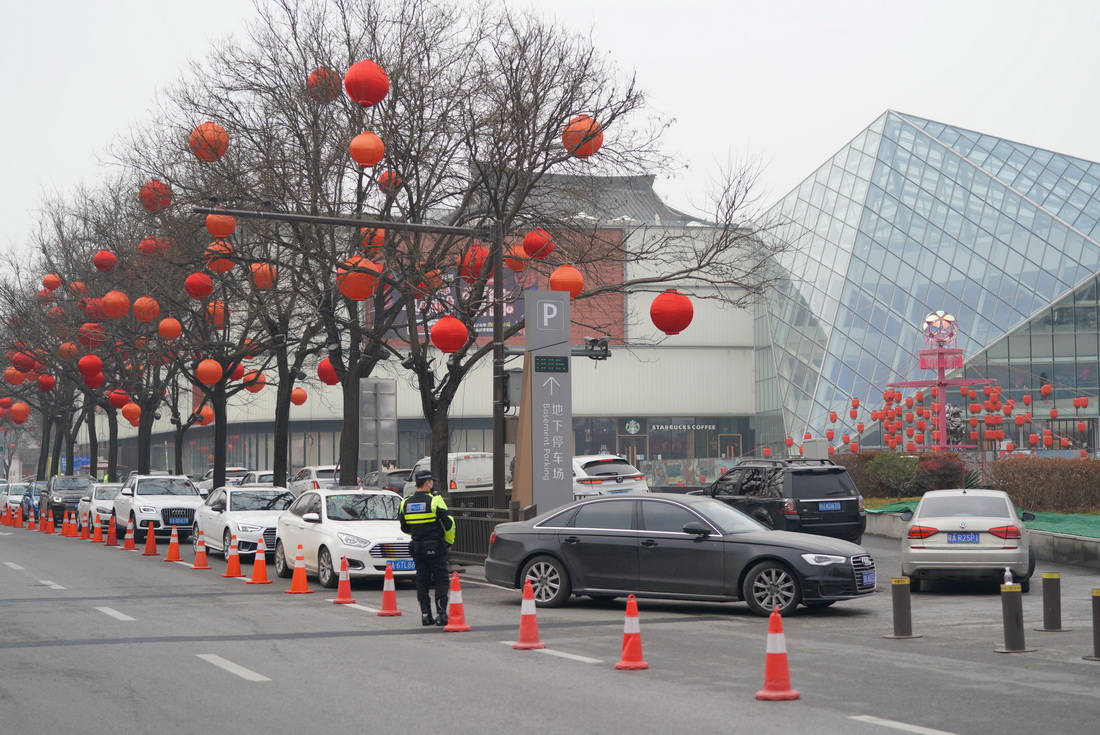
point(466, 472)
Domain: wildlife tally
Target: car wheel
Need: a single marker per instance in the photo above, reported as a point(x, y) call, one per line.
point(195, 537)
point(549, 580)
point(857, 539)
point(326, 575)
point(1025, 585)
point(139, 532)
point(281, 567)
point(770, 585)
point(818, 604)
point(914, 584)
point(227, 541)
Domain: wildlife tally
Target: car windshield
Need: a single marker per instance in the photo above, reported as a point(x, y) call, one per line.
point(726, 518)
point(363, 507)
point(953, 506)
point(259, 500)
point(166, 486)
point(818, 484)
point(325, 474)
point(107, 492)
point(17, 489)
point(396, 481)
point(71, 484)
point(266, 477)
point(610, 467)
point(236, 473)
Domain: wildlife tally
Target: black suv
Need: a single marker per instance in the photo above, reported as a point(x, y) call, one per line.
point(808, 495)
point(63, 493)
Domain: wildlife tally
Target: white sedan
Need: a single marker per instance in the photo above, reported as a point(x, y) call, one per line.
point(248, 512)
point(343, 521)
point(99, 500)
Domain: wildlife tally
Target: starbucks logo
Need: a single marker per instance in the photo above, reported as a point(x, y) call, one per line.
point(633, 427)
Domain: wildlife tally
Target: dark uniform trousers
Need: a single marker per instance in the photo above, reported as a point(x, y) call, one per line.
point(430, 555)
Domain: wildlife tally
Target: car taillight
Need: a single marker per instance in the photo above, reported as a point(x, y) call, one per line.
point(789, 508)
point(591, 481)
point(861, 504)
point(639, 476)
point(316, 485)
point(922, 531)
point(1006, 532)
point(492, 538)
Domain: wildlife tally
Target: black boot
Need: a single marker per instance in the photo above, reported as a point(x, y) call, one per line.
point(426, 618)
point(441, 615)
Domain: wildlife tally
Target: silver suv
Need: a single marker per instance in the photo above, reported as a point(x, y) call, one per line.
point(163, 500)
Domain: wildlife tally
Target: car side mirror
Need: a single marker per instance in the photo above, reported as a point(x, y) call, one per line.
point(127, 491)
point(907, 516)
point(1025, 516)
point(204, 492)
point(311, 518)
point(696, 528)
point(85, 499)
point(218, 508)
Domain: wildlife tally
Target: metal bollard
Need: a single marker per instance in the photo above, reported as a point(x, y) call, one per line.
point(1095, 627)
point(1052, 603)
point(903, 611)
point(1012, 610)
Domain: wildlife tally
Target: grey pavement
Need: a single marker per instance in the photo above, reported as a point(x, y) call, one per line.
point(120, 643)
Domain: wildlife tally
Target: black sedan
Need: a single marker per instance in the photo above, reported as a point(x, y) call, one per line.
point(674, 547)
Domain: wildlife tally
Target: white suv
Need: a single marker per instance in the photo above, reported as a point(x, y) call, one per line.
point(232, 476)
point(314, 477)
point(605, 474)
point(163, 500)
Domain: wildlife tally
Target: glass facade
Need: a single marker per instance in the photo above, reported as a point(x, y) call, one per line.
point(910, 217)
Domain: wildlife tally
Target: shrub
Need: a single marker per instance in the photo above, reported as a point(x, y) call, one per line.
point(1049, 485)
point(856, 464)
point(894, 474)
point(940, 471)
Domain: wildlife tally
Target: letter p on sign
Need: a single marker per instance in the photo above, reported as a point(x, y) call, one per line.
point(550, 316)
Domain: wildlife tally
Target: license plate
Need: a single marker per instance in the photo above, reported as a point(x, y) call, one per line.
point(617, 492)
point(868, 579)
point(962, 538)
point(830, 505)
point(177, 521)
point(403, 565)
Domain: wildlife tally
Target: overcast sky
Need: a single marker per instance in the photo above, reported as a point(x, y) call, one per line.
point(784, 83)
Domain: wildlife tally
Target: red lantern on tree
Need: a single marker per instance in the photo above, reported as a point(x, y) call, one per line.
point(152, 245)
point(118, 398)
point(472, 263)
point(367, 149)
point(104, 260)
point(1054, 413)
point(218, 254)
point(220, 226)
point(449, 334)
point(516, 259)
point(264, 275)
point(46, 382)
point(366, 83)
point(169, 328)
point(217, 313)
point(20, 412)
point(146, 308)
point(298, 396)
point(155, 195)
point(115, 304)
point(94, 381)
point(567, 278)
point(357, 277)
point(790, 441)
point(209, 141)
point(89, 365)
point(254, 381)
point(372, 240)
point(199, 285)
point(51, 281)
point(389, 182)
point(208, 372)
point(206, 415)
point(323, 85)
point(671, 312)
point(327, 373)
point(131, 411)
point(538, 244)
point(582, 136)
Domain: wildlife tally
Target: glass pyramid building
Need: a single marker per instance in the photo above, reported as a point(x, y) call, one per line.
point(909, 217)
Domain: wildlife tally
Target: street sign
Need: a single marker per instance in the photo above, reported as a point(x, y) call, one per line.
point(547, 334)
point(377, 422)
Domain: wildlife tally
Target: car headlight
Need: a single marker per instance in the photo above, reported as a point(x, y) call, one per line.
point(146, 509)
point(348, 540)
point(823, 560)
point(103, 511)
point(249, 528)
point(57, 498)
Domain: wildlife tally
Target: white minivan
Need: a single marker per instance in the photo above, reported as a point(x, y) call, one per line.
point(466, 472)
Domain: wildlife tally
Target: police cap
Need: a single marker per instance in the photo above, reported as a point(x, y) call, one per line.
point(422, 476)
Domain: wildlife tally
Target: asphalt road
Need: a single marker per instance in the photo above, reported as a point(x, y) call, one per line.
point(97, 640)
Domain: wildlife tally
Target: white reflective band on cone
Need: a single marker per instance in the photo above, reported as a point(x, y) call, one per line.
point(527, 607)
point(387, 584)
point(455, 597)
point(631, 625)
point(299, 561)
point(776, 643)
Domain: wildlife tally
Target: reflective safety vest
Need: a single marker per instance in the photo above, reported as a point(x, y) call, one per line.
point(416, 511)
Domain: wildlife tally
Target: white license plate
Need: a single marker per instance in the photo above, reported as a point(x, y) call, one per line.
point(403, 565)
point(868, 579)
point(962, 538)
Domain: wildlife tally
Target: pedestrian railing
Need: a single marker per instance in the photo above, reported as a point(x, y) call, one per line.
point(473, 526)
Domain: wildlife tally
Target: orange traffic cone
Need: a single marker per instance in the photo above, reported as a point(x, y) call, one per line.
point(173, 547)
point(528, 622)
point(19, 517)
point(112, 533)
point(343, 589)
point(97, 536)
point(389, 594)
point(777, 679)
point(65, 525)
point(30, 520)
point(456, 613)
point(232, 560)
point(128, 541)
point(49, 522)
point(259, 565)
point(4, 516)
point(150, 542)
point(632, 639)
point(86, 529)
point(42, 520)
point(200, 553)
point(298, 584)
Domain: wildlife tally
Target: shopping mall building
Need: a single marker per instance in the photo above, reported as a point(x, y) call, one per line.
point(910, 216)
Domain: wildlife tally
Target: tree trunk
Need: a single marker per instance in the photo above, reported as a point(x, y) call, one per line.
point(349, 431)
point(218, 399)
point(281, 438)
point(93, 445)
point(441, 442)
point(58, 440)
point(181, 429)
point(70, 443)
point(44, 451)
point(112, 444)
point(145, 437)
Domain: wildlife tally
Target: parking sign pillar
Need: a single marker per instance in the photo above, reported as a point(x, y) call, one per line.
point(903, 611)
point(547, 330)
point(1012, 612)
point(1095, 627)
point(1052, 603)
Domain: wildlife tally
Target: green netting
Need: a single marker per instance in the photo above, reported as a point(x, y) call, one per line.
point(1074, 524)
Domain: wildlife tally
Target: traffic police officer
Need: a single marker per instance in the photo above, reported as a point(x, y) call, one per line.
point(425, 517)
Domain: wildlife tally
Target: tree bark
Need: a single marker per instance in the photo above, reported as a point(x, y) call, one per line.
point(349, 431)
point(218, 400)
point(44, 451)
point(441, 440)
point(145, 437)
point(112, 444)
point(181, 429)
point(70, 442)
point(93, 444)
point(58, 440)
point(281, 431)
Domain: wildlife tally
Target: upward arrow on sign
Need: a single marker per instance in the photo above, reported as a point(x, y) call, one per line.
point(551, 383)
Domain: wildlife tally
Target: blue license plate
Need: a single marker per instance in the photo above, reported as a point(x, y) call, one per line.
point(830, 505)
point(177, 521)
point(403, 565)
point(868, 579)
point(962, 538)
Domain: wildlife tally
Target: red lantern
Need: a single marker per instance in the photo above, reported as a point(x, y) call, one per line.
point(853, 413)
point(766, 452)
point(20, 412)
point(238, 372)
point(852, 447)
point(94, 381)
point(254, 381)
point(1064, 442)
point(671, 312)
point(51, 281)
point(829, 434)
point(472, 263)
point(67, 350)
point(909, 402)
point(169, 328)
point(366, 83)
point(846, 438)
point(323, 85)
point(389, 182)
point(1082, 427)
point(46, 382)
point(516, 260)
point(206, 415)
point(357, 278)
point(367, 149)
point(909, 417)
point(538, 244)
point(152, 245)
point(372, 240)
point(449, 334)
point(131, 411)
point(208, 372)
point(209, 141)
point(89, 365)
point(807, 436)
point(831, 450)
point(1048, 440)
point(91, 334)
point(1046, 390)
point(115, 304)
point(118, 398)
point(567, 278)
point(264, 275)
point(198, 285)
point(936, 436)
point(327, 373)
point(859, 427)
point(1010, 447)
point(220, 226)
point(1033, 439)
point(910, 447)
point(1054, 413)
point(582, 136)
point(298, 396)
point(217, 313)
point(104, 260)
point(1084, 401)
point(146, 308)
point(218, 254)
point(155, 195)
point(909, 431)
point(790, 442)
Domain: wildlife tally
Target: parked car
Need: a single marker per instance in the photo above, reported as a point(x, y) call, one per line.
point(257, 477)
point(466, 472)
point(12, 494)
point(347, 522)
point(233, 475)
point(808, 495)
point(247, 512)
point(163, 500)
point(100, 500)
point(605, 474)
point(314, 477)
point(62, 493)
point(388, 479)
point(966, 534)
point(667, 545)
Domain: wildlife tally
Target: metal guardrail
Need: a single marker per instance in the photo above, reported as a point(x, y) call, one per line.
point(475, 525)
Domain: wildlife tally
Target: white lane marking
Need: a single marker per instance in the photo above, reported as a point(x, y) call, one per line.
point(903, 726)
point(51, 585)
point(232, 668)
point(13, 565)
point(186, 564)
point(111, 612)
point(5, 533)
point(562, 654)
point(357, 606)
